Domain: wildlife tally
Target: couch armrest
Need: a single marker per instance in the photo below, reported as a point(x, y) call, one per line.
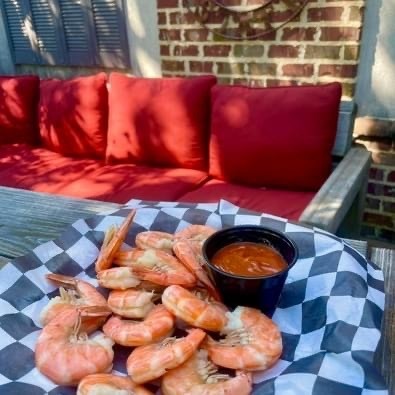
point(333, 201)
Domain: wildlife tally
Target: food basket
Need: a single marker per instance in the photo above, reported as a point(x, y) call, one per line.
point(329, 312)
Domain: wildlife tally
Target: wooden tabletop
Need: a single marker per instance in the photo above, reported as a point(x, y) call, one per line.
point(28, 219)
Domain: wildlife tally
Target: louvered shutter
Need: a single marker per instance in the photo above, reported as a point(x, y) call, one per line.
point(79, 32)
point(110, 29)
point(48, 29)
point(20, 31)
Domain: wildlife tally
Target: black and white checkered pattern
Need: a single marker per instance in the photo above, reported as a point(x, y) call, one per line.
point(329, 313)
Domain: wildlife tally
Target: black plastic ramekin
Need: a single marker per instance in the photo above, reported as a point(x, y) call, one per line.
point(260, 292)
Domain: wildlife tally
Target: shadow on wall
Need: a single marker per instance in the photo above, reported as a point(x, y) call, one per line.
point(375, 95)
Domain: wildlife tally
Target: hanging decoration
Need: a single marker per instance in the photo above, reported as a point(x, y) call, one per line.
point(244, 19)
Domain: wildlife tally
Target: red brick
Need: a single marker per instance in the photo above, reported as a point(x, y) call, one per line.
point(373, 204)
point(169, 34)
point(162, 18)
point(201, 67)
point(196, 35)
point(273, 82)
point(283, 16)
point(299, 33)
point(322, 52)
point(167, 3)
point(378, 219)
point(325, 14)
point(177, 18)
point(230, 68)
point(186, 50)
point(217, 50)
point(338, 70)
point(164, 50)
point(340, 34)
point(173, 65)
point(283, 51)
point(258, 69)
point(298, 70)
point(376, 174)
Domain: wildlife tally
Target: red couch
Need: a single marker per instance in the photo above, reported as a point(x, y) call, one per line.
point(169, 139)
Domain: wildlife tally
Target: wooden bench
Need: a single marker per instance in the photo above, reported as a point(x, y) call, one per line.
point(338, 205)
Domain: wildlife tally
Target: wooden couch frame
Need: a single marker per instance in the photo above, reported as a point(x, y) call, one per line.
point(338, 205)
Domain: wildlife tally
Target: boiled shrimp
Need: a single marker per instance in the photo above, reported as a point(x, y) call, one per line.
point(156, 266)
point(131, 303)
point(191, 257)
point(109, 384)
point(112, 242)
point(252, 342)
point(209, 315)
point(155, 240)
point(118, 278)
point(66, 355)
point(158, 325)
point(195, 232)
point(147, 363)
point(73, 293)
point(199, 376)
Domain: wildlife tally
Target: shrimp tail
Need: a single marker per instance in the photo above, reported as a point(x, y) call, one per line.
point(111, 247)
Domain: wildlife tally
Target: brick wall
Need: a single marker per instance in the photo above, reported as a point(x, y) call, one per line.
point(320, 45)
point(379, 215)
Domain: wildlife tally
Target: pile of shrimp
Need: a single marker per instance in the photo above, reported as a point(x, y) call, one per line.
point(157, 289)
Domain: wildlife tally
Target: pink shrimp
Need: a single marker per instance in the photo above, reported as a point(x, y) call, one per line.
point(158, 325)
point(156, 266)
point(190, 255)
point(155, 240)
point(131, 303)
point(66, 355)
point(147, 363)
point(109, 384)
point(252, 342)
point(191, 309)
point(118, 278)
point(78, 293)
point(195, 232)
point(199, 376)
point(112, 242)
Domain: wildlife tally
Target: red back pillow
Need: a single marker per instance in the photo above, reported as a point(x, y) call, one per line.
point(159, 121)
point(74, 115)
point(18, 115)
point(277, 137)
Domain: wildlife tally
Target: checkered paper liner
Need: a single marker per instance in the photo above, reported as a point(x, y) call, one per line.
point(329, 313)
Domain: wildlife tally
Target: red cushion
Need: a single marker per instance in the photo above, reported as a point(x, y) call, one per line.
point(74, 115)
point(283, 203)
point(159, 121)
point(42, 170)
point(18, 114)
point(277, 137)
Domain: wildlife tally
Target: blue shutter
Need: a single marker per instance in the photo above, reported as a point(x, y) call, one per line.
point(49, 36)
point(79, 32)
point(110, 28)
point(20, 31)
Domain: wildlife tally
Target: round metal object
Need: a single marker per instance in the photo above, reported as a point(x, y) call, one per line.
point(244, 19)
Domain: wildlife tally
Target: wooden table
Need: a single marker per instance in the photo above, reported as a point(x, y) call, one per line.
point(28, 219)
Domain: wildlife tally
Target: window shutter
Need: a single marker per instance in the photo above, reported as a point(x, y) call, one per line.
point(110, 28)
point(79, 32)
point(47, 26)
point(20, 31)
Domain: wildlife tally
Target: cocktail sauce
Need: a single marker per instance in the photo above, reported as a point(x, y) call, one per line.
point(249, 259)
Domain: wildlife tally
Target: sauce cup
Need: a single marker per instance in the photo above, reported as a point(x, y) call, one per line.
point(262, 292)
